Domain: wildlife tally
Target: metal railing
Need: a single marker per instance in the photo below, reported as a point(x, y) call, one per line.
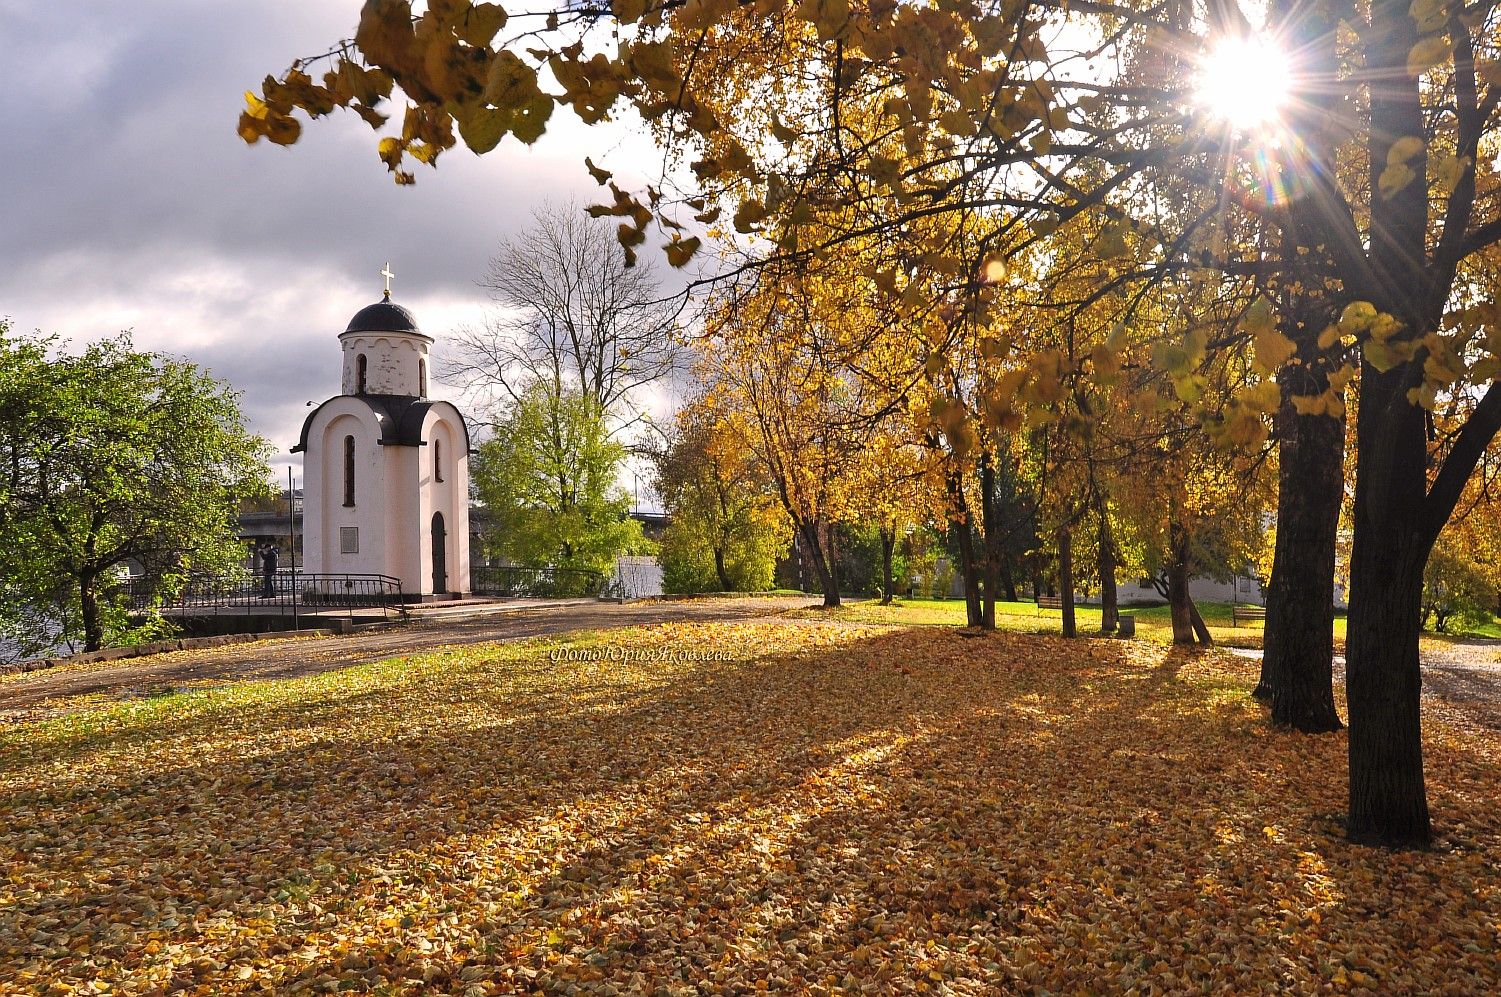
point(288, 594)
point(551, 583)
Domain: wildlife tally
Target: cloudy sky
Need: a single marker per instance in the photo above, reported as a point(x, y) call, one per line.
point(130, 202)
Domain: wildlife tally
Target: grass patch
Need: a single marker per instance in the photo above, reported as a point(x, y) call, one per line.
point(829, 807)
point(1153, 623)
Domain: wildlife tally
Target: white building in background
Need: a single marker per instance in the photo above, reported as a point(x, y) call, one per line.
point(386, 469)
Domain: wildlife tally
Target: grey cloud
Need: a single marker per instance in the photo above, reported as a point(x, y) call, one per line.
point(129, 201)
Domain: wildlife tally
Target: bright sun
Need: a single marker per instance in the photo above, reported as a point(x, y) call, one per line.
point(1244, 82)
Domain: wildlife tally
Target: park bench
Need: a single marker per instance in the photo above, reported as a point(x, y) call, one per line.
point(1245, 614)
point(1049, 602)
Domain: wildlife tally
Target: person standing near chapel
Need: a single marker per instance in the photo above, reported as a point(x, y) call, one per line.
point(268, 570)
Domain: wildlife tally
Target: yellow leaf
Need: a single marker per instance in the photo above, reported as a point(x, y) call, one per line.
point(1309, 404)
point(1190, 389)
point(1381, 356)
point(829, 17)
point(1357, 317)
point(1394, 178)
point(1447, 171)
point(1403, 150)
point(1426, 54)
point(1264, 396)
point(1272, 349)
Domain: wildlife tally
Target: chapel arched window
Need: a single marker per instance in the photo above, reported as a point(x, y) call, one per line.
point(349, 470)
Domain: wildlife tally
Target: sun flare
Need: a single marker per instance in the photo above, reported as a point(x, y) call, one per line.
point(1244, 81)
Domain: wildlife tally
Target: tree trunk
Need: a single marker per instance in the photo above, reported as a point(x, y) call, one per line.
point(1008, 579)
point(973, 612)
point(1179, 604)
point(719, 569)
point(1066, 580)
point(821, 566)
point(88, 600)
point(1200, 630)
point(1110, 613)
point(888, 546)
point(1296, 666)
point(992, 532)
point(1388, 798)
point(960, 520)
point(1297, 672)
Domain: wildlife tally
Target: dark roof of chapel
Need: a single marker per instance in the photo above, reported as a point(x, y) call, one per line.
point(400, 418)
point(383, 316)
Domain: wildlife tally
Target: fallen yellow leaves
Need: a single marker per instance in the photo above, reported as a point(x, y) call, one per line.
point(841, 809)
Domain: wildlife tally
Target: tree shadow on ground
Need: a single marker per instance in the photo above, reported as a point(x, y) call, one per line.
point(1015, 811)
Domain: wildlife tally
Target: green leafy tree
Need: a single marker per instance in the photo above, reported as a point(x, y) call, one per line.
point(727, 530)
point(1455, 589)
point(110, 457)
point(549, 479)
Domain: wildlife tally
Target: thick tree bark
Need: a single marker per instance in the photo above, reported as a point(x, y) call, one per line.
point(1388, 799)
point(1110, 614)
point(1066, 580)
point(1297, 673)
point(1296, 666)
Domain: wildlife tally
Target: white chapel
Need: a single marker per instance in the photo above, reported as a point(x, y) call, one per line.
point(385, 468)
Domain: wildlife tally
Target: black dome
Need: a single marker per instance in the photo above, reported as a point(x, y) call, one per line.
point(383, 316)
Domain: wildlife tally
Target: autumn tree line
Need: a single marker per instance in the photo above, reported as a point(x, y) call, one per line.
point(1024, 219)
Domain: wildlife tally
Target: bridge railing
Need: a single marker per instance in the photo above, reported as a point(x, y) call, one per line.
point(286, 594)
point(550, 583)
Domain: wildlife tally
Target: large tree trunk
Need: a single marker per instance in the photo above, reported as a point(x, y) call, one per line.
point(88, 599)
point(1388, 798)
point(1297, 664)
point(1110, 614)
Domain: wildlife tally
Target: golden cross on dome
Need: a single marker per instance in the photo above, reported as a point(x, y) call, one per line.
point(385, 272)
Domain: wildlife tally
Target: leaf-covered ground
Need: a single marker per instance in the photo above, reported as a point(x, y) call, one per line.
point(840, 809)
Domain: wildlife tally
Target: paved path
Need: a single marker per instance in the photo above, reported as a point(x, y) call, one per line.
point(29, 695)
point(1466, 673)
